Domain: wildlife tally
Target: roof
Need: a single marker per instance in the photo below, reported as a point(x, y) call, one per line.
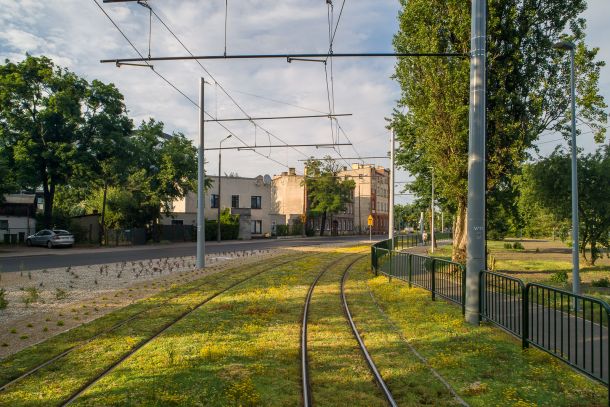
point(20, 199)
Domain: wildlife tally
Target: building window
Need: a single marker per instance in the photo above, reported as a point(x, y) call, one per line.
point(235, 201)
point(4, 224)
point(214, 201)
point(255, 202)
point(177, 222)
point(256, 227)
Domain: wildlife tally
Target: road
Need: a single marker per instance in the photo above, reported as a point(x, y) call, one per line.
point(40, 258)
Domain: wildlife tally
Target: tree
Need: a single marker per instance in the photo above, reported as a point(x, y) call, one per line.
point(327, 193)
point(106, 146)
point(165, 169)
point(551, 179)
point(40, 118)
point(527, 95)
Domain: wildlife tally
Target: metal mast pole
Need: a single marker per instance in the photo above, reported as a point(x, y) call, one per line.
point(219, 194)
point(475, 218)
point(201, 183)
point(432, 221)
point(575, 259)
point(392, 166)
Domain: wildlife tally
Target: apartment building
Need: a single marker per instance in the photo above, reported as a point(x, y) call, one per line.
point(265, 202)
point(248, 197)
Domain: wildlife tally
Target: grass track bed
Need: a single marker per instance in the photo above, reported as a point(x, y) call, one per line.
point(57, 381)
point(484, 365)
point(338, 371)
point(241, 348)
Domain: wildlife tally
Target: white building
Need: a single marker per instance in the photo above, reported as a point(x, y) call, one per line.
point(237, 194)
point(17, 217)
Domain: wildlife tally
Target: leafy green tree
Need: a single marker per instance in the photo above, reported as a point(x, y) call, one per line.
point(105, 144)
point(527, 82)
point(40, 119)
point(408, 215)
point(165, 169)
point(551, 178)
point(327, 193)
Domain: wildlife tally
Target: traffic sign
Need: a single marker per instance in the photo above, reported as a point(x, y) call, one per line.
point(370, 220)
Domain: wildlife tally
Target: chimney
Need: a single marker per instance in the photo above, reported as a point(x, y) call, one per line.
point(292, 171)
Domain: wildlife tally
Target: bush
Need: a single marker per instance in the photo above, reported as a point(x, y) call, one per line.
point(602, 282)
point(518, 246)
point(508, 246)
point(560, 277)
point(32, 295)
point(3, 300)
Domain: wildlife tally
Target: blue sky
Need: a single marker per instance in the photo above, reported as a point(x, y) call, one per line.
point(76, 34)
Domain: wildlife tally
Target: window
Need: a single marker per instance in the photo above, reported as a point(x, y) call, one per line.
point(4, 224)
point(255, 202)
point(256, 227)
point(234, 201)
point(177, 222)
point(214, 201)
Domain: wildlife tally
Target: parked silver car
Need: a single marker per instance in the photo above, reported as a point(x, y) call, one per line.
point(51, 238)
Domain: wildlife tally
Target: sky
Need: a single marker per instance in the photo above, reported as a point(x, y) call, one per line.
point(76, 34)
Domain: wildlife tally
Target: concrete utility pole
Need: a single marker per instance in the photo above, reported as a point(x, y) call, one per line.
point(200, 183)
point(475, 218)
point(392, 166)
point(571, 47)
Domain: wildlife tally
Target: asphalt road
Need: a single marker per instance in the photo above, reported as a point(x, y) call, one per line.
point(40, 258)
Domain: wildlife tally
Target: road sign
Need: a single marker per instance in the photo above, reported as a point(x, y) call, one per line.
point(370, 220)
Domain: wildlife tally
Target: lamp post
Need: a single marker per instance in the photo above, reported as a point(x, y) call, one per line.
point(569, 46)
point(219, 184)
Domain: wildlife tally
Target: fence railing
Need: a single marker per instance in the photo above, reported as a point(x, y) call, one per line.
point(573, 328)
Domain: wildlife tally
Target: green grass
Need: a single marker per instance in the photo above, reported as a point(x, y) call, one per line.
point(54, 382)
point(242, 348)
point(483, 364)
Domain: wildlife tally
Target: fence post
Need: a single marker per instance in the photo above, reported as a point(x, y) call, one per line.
point(410, 270)
point(525, 317)
point(391, 269)
point(481, 295)
point(433, 279)
point(464, 290)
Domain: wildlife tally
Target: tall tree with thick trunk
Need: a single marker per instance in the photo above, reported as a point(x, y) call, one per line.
point(40, 117)
point(527, 81)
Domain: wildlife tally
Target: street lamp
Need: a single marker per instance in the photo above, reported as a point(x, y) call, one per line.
point(219, 183)
point(569, 46)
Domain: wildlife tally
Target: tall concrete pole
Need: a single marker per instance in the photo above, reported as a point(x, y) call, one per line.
point(575, 259)
point(475, 217)
point(201, 183)
point(391, 220)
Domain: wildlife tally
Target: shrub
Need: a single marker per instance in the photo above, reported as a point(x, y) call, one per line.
point(3, 300)
point(508, 246)
point(560, 277)
point(32, 295)
point(518, 246)
point(60, 294)
point(602, 282)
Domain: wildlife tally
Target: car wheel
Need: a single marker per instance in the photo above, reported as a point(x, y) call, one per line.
point(28, 243)
point(49, 244)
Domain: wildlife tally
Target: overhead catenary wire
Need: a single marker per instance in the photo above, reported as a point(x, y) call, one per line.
point(222, 88)
point(174, 86)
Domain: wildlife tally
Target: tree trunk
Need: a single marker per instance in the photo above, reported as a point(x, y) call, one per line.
point(323, 223)
point(48, 203)
point(103, 223)
point(459, 235)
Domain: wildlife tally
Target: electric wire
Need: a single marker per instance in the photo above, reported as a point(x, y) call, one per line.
point(231, 98)
point(176, 88)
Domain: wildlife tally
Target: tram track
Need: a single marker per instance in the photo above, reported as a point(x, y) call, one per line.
point(134, 317)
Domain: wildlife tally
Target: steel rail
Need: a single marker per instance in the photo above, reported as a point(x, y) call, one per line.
point(305, 384)
point(104, 332)
point(365, 352)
